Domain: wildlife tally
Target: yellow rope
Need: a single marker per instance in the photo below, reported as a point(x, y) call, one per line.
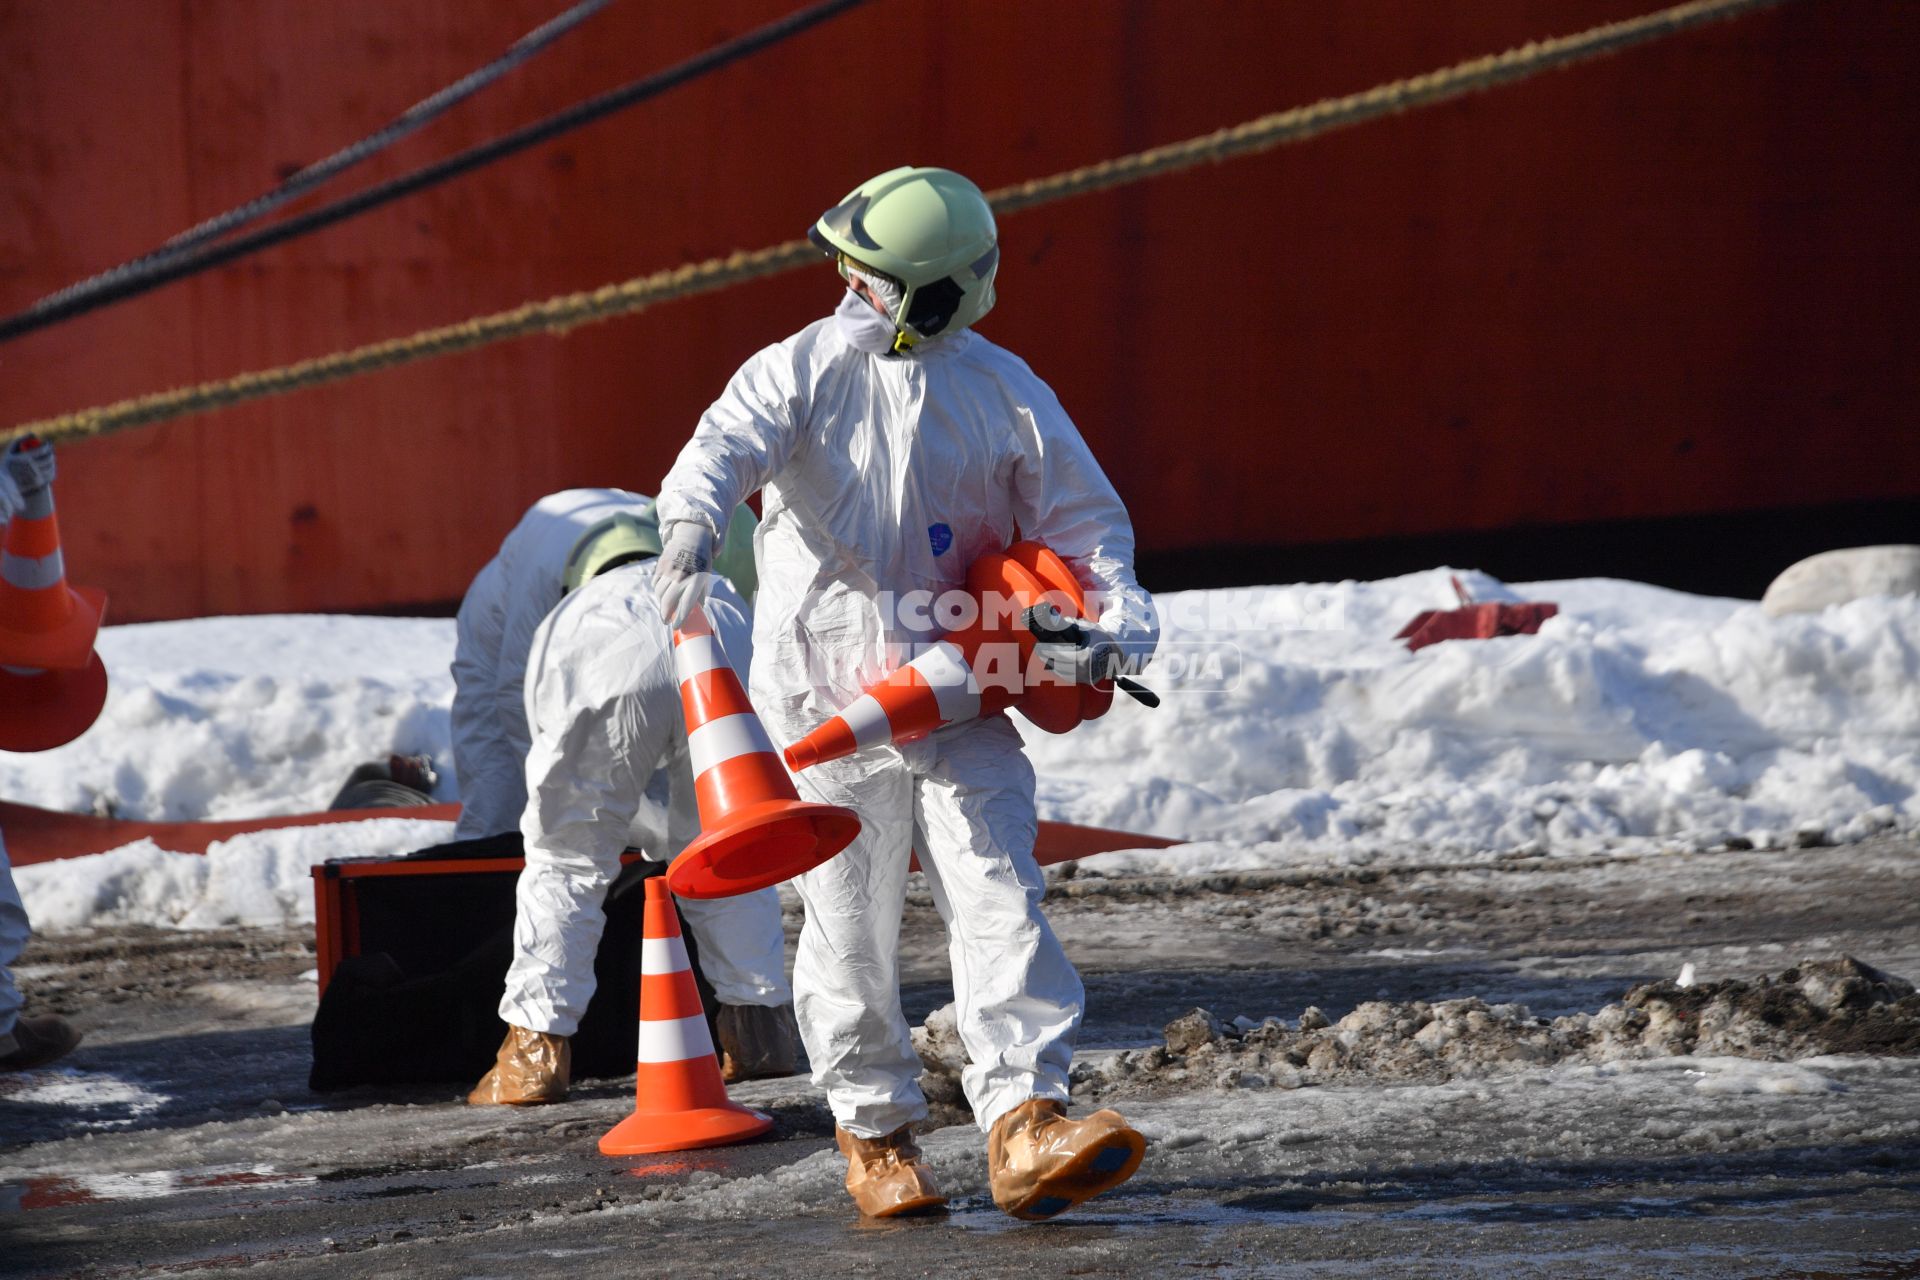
point(558, 314)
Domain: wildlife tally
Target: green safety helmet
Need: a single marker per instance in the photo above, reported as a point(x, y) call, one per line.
point(735, 560)
point(609, 543)
point(928, 230)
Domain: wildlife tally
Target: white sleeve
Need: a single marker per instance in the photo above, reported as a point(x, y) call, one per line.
point(741, 442)
point(1063, 499)
point(486, 764)
point(13, 940)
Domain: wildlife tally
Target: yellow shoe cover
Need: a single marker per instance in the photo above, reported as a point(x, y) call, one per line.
point(885, 1176)
point(1042, 1164)
point(532, 1067)
point(756, 1043)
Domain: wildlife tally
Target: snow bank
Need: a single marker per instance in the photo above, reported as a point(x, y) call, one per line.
point(257, 879)
point(244, 717)
point(1638, 718)
point(1293, 729)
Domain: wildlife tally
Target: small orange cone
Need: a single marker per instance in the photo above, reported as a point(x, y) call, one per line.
point(755, 830)
point(978, 670)
point(679, 1102)
point(52, 683)
point(937, 688)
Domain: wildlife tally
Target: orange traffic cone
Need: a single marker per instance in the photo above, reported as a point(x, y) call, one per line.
point(940, 687)
point(979, 670)
point(755, 830)
point(679, 1102)
point(52, 683)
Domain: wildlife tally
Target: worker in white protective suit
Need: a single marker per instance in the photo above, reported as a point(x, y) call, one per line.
point(26, 479)
point(893, 446)
point(584, 750)
point(508, 600)
point(25, 1042)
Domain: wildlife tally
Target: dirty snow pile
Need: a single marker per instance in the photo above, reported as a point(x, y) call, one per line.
point(1816, 1009)
point(1294, 730)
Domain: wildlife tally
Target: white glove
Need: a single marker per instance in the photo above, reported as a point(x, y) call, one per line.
point(29, 465)
point(1083, 653)
point(682, 575)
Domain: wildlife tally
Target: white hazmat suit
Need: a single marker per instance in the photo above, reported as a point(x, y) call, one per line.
point(608, 769)
point(14, 933)
point(883, 476)
point(507, 601)
point(14, 930)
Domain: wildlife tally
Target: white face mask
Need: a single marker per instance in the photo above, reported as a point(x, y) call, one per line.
point(864, 328)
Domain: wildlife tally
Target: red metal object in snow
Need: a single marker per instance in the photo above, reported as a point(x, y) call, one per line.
point(1474, 621)
point(42, 835)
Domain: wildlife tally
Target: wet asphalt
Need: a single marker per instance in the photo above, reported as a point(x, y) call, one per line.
point(426, 1197)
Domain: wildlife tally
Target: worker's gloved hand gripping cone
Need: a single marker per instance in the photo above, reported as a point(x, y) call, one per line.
point(1094, 659)
point(684, 574)
point(30, 466)
point(1082, 653)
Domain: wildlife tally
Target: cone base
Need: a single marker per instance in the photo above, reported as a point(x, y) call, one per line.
point(761, 845)
point(41, 712)
point(644, 1133)
point(64, 647)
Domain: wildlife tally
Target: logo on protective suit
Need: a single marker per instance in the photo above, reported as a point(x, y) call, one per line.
point(941, 538)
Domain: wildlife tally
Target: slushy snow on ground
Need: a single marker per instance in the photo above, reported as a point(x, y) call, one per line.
point(1294, 730)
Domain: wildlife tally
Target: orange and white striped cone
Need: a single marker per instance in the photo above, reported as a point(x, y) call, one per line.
point(679, 1102)
point(52, 683)
point(755, 829)
point(936, 689)
point(979, 670)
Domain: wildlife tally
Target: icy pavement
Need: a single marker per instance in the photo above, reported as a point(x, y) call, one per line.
point(1664, 1167)
point(181, 1137)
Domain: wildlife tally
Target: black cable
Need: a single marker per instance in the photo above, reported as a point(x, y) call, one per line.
point(151, 276)
point(409, 121)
